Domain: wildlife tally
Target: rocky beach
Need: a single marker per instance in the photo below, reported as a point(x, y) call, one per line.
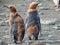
point(49, 17)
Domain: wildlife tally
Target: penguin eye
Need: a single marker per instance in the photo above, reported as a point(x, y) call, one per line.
point(36, 4)
point(10, 7)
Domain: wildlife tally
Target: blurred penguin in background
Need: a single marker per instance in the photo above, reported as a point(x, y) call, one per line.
point(56, 3)
point(32, 23)
point(16, 24)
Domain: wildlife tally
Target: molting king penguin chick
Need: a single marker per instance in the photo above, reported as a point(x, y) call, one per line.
point(16, 23)
point(32, 23)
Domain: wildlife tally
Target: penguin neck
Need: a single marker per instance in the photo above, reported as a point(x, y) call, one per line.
point(32, 10)
point(33, 13)
point(14, 14)
point(13, 11)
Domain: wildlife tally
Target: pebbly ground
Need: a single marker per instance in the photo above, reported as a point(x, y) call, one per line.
point(50, 21)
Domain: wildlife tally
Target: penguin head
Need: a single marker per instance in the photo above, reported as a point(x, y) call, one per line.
point(12, 8)
point(33, 5)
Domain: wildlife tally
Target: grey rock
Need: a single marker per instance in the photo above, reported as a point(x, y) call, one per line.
point(8, 38)
point(12, 44)
point(57, 27)
point(47, 44)
point(3, 43)
point(6, 21)
point(58, 9)
point(44, 8)
point(41, 13)
point(2, 14)
point(48, 21)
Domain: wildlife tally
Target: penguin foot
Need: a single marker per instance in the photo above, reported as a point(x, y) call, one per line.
point(36, 38)
point(30, 38)
point(19, 42)
point(15, 41)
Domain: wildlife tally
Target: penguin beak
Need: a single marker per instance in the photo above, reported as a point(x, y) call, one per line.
point(5, 6)
point(39, 4)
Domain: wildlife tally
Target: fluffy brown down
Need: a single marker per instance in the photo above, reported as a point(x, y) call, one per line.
point(32, 30)
point(19, 20)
